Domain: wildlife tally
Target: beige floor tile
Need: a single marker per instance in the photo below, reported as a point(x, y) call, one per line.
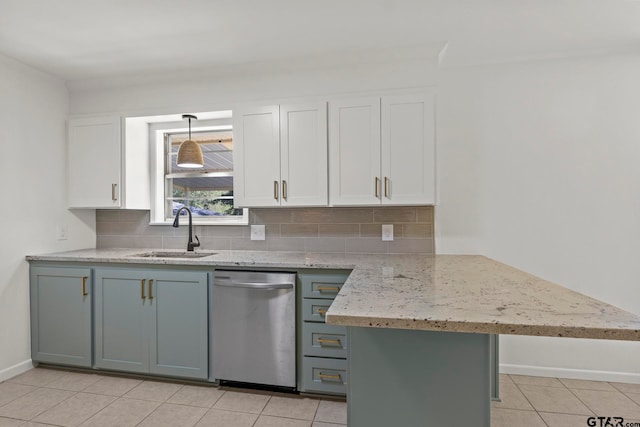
point(33, 404)
point(112, 386)
point(219, 418)
point(513, 418)
point(634, 396)
point(11, 391)
point(609, 403)
point(505, 379)
point(38, 377)
point(196, 396)
point(564, 420)
point(154, 390)
point(321, 424)
point(34, 424)
point(10, 422)
point(75, 410)
point(174, 415)
point(332, 412)
point(74, 381)
point(512, 398)
point(627, 388)
point(242, 402)
point(554, 399)
point(529, 380)
point(269, 421)
point(124, 412)
point(587, 385)
point(292, 407)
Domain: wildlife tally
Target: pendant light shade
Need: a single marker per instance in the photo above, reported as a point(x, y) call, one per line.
point(189, 153)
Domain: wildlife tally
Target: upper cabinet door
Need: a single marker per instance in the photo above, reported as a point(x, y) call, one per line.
point(256, 157)
point(94, 158)
point(354, 151)
point(408, 149)
point(303, 154)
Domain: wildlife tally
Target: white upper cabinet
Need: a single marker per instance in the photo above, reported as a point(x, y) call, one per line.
point(100, 164)
point(280, 156)
point(382, 150)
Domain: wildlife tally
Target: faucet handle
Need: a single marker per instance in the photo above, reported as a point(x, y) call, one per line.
point(195, 245)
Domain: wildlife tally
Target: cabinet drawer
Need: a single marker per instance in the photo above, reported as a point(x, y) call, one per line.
point(321, 285)
point(313, 310)
point(319, 339)
point(324, 375)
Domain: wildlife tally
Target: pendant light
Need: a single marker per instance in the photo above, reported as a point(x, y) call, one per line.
point(189, 153)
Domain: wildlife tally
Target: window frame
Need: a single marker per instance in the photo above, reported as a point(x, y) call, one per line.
point(157, 133)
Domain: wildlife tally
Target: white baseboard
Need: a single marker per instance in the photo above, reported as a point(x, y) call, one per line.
point(15, 370)
point(577, 374)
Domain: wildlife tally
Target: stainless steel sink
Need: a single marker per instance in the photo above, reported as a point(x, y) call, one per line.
point(166, 254)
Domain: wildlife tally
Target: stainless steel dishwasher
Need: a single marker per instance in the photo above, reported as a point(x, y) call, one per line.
point(253, 334)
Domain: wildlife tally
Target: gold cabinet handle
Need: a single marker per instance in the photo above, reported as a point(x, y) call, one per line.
point(333, 342)
point(328, 289)
point(113, 192)
point(321, 311)
point(150, 284)
point(376, 186)
point(386, 187)
point(84, 286)
point(331, 377)
point(284, 189)
point(142, 288)
point(275, 190)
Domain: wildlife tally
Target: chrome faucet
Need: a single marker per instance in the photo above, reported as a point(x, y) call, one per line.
point(190, 243)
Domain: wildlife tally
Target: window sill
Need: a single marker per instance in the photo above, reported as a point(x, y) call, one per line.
point(205, 222)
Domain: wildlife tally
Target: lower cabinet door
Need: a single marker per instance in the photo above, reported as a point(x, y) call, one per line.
point(61, 315)
point(178, 334)
point(121, 338)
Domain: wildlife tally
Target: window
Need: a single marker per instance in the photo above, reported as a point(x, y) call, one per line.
point(207, 191)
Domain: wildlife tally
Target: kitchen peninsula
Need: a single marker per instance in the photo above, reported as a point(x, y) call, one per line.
point(419, 326)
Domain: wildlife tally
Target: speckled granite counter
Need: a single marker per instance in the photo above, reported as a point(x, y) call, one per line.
point(458, 293)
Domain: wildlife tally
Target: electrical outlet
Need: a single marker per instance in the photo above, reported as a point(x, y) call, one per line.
point(387, 232)
point(62, 233)
point(257, 232)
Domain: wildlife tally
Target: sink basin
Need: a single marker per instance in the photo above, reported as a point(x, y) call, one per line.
point(160, 254)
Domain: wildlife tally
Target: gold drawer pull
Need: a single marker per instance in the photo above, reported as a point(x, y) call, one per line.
point(150, 284)
point(142, 288)
point(329, 341)
point(321, 311)
point(376, 185)
point(275, 190)
point(330, 377)
point(328, 289)
point(84, 286)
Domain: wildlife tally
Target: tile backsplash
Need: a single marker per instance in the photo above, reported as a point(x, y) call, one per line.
point(354, 230)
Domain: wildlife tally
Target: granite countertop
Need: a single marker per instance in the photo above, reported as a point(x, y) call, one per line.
point(457, 293)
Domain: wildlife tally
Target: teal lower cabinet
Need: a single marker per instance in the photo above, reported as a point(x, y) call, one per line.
point(323, 365)
point(61, 315)
point(152, 321)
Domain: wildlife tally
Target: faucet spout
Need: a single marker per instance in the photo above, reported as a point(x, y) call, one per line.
point(190, 244)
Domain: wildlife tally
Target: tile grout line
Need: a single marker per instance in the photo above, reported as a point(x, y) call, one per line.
point(528, 401)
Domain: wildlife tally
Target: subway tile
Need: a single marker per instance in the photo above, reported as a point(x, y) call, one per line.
point(155, 230)
point(333, 215)
point(413, 246)
point(371, 230)
point(366, 246)
point(394, 214)
point(107, 215)
point(116, 241)
point(225, 230)
point(217, 243)
point(240, 244)
point(299, 230)
point(149, 242)
point(324, 244)
point(105, 227)
point(271, 216)
point(270, 230)
point(174, 242)
point(285, 244)
point(338, 230)
point(134, 215)
point(424, 214)
point(417, 230)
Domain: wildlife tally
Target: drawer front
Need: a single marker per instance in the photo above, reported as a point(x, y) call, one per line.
point(321, 285)
point(319, 339)
point(314, 309)
point(324, 375)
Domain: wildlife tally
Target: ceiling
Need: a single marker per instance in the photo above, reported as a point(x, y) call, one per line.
point(94, 39)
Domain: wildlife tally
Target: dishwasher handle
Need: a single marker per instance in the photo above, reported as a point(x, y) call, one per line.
point(255, 285)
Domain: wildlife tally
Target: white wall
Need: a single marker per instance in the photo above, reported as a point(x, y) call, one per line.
point(33, 112)
point(539, 167)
